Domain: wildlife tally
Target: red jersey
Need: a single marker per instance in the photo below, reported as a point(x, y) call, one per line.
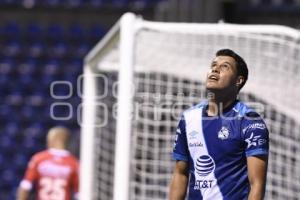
point(55, 173)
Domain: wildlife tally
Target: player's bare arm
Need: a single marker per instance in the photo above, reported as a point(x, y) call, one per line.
point(179, 181)
point(257, 171)
point(22, 194)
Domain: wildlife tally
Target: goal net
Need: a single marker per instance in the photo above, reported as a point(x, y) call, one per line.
point(143, 74)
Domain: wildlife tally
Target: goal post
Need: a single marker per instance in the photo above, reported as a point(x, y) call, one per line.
point(87, 150)
point(123, 126)
point(143, 74)
point(125, 108)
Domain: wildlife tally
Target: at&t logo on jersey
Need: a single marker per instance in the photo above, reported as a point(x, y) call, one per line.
point(203, 167)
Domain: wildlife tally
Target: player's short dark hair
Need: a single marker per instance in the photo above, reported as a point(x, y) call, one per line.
point(241, 65)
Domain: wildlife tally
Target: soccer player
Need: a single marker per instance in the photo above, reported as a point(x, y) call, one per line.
point(221, 146)
point(54, 171)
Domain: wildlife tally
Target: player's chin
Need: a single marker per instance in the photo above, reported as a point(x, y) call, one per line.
point(212, 86)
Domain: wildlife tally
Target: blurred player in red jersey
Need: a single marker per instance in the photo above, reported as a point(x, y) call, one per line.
point(54, 171)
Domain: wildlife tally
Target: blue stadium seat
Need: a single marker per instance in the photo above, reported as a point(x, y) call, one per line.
point(33, 138)
point(35, 131)
point(76, 33)
point(7, 66)
point(73, 67)
point(4, 194)
point(4, 79)
point(78, 3)
point(20, 161)
point(33, 32)
point(13, 192)
point(15, 98)
point(27, 82)
point(3, 161)
point(28, 114)
point(52, 67)
point(96, 3)
point(8, 178)
point(120, 3)
point(35, 49)
point(31, 114)
point(7, 145)
point(48, 80)
point(10, 2)
point(37, 98)
point(75, 3)
point(57, 50)
point(12, 130)
point(80, 50)
point(96, 32)
point(9, 113)
point(11, 31)
point(71, 78)
point(55, 32)
point(5, 111)
point(31, 146)
point(51, 3)
point(27, 67)
point(51, 72)
point(12, 48)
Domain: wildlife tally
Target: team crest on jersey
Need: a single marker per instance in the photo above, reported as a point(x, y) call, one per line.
point(223, 134)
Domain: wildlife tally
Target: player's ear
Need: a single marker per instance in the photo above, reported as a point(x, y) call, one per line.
point(239, 81)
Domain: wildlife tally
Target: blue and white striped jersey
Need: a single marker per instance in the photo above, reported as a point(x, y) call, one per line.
point(216, 149)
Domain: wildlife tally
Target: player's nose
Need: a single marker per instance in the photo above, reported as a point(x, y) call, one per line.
point(215, 69)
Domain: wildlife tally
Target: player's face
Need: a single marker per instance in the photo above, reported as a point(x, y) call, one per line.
point(222, 74)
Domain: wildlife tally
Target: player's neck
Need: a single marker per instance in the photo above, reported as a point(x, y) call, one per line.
point(218, 103)
point(57, 146)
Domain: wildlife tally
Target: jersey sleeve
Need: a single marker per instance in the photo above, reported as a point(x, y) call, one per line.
point(31, 174)
point(75, 178)
point(180, 149)
point(255, 135)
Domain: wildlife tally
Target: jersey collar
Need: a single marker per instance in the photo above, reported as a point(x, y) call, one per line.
point(228, 109)
point(59, 152)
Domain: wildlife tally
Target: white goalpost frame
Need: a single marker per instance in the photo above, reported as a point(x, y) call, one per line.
point(125, 108)
point(122, 156)
point(87, 136)
point(128, 26)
